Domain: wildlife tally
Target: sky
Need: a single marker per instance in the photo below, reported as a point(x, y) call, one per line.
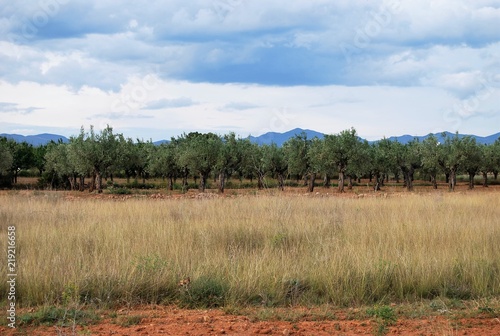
point(157, 69)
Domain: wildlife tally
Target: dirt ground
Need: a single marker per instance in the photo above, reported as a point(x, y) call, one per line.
point(165, 320)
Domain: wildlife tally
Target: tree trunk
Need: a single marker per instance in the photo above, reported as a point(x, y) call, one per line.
point(349, 184)
point(92, 183)
point(378, 181)
point(434, 182)
point(495, 174)
point(447, 177)
point(81, 185)
point(396, 176)
point(312, 179)
point(409, 182)
point(452, 180)
point(471, 180)
point(184, 183)
point(405, 177)
point(341, 181)
point(260, 181)
point(222, 182)
point(485, 179)
point(326, 181)
point(281, 182)
point(170, 185)
point(203, 182)
point(71, 179)
point(99, 182)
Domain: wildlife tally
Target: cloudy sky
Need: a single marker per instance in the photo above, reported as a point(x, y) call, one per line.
point(156, 69)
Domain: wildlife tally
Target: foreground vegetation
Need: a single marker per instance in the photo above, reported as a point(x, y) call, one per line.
point(254, 250)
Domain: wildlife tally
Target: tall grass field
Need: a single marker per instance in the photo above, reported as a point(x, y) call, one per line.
point(253, 250)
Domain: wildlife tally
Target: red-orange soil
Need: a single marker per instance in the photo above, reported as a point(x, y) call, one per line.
point(164, 320)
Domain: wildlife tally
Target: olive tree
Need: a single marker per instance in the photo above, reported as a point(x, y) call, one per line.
point(472, 158)
point(230, 159)
point(200, 154)
point(452, 157)
point(430, 152)
point(99, 151)
point(275, 163)
point(299, 162)
point(163, 162)
point(6, 158)
point(340, 150)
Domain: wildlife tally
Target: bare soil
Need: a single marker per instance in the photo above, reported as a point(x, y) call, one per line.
point(168, 320)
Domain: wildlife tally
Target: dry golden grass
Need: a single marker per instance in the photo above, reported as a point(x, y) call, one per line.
point(270, 250)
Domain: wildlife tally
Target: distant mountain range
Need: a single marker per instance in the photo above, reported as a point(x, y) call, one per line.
point(267, 138)
point(488, 140)
point(280, 138)
point(35, 140)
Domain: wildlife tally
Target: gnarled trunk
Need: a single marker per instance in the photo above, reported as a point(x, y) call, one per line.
point(98, 180)
point(452, 179)
point(260, 181)
point(434, 182)
point(81, 184)
point(341, 180)
point(378, 181)
point(222, 182)
point(471, 180)
point(485, 179)
point(184, 183)
point(326, 181)
point(170, 185)
point(312, 179)
point(281, 182)
point(71, 179)
point(92, 183)
point(203, 182)
point(409, 178)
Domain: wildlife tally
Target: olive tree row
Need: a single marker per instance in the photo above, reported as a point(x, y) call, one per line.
point(94, 155)
point(345, 155)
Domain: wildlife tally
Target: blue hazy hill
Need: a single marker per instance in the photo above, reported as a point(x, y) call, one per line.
point(267, 138)
point(280, 138)
point(35, 140)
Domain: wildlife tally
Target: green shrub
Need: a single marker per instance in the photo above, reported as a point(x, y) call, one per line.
point(204, 292)
point(120, 191)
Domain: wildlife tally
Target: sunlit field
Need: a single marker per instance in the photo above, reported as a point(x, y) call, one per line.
point(253, 250)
